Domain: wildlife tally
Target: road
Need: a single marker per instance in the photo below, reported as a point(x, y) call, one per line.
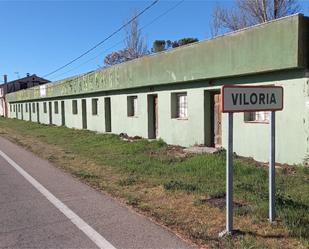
point(43, 207)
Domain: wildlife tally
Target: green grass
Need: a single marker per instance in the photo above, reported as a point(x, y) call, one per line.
point(200, 174)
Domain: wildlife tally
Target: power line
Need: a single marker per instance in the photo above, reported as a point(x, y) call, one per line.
point(116, 44)
point(108, 37)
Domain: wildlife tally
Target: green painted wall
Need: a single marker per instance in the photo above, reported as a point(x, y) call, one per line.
point(251, 139)
point(267, 47)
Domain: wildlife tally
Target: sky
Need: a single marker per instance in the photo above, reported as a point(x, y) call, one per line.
point(40, 36)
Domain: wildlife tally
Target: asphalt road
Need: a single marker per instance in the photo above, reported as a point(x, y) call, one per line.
point(43, 207)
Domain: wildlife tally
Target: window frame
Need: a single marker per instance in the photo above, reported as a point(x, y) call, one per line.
point(248, 117)
point(132, 106)
point(56, 107)
point(95, 106)
point(176, 105)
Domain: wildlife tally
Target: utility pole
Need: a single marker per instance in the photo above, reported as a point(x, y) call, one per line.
point(5, 89)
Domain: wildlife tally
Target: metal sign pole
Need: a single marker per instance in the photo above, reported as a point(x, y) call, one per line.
point(272, 167)
point(229, 176)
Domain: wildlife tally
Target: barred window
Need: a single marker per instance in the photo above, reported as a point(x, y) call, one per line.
point(182, 105)
point(179, 105)
point(259, 117)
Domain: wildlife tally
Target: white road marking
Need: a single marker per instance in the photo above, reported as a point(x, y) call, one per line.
point(74, 218)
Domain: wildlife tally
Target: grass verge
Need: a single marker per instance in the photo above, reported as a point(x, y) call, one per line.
point(184, 193)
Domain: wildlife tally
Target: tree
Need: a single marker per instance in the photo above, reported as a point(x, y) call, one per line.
point(135, 45)
point(162, 45)
point(250, 12)
point(184, 41)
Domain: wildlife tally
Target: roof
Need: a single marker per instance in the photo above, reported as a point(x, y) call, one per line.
point(28, 78)
point(268, 47)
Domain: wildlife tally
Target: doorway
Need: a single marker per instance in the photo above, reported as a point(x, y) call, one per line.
point(108, 118)
point(62, 114)
point(152, 101)
point(38, 112)
point(50, 112)
point(84, 113)
point(30, 113)
point(217, 119)
point(22, 111)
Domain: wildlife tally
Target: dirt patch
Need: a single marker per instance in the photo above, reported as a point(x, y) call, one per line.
point(170, 150)
point(220, 202)
point(286, 168)
point(125, 137)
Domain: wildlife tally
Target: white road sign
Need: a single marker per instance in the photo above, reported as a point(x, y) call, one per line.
point(251, 98)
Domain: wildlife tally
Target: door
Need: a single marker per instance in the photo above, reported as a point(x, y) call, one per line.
point(30, 113)
point(156, 115)
point(217, 115)
point(62, 114)
point(22, 111)
point(108, 118)
point(38, 112)
point(84, 113)
point(50, 113)
point(152, 116)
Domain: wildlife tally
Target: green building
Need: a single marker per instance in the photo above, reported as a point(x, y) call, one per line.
point(175, 95)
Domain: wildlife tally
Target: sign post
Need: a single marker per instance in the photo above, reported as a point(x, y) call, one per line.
point(272, 188)
point(229, 176)
point(249, 99)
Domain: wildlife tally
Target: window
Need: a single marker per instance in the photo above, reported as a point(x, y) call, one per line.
point(94, 106)
point(14, 108)
point(33, 107)
point(179, 105)
point(74, 107)
point(26, 107)
point(132, 106)
point(256, 117)
point(18, 107)
point(56, 107)
point(10, 108)
point(45, 107)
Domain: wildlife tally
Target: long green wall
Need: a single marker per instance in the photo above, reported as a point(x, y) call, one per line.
point(272, 46)
point(250, 139)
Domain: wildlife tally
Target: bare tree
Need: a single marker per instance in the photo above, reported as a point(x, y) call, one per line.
point(250, 12)
point(135, 45)
point(135, 41)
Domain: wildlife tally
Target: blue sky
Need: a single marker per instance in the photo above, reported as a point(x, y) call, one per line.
point(40, 36)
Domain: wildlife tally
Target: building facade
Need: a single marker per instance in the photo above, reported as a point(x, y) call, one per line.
point(175, 95)
point(16, 85)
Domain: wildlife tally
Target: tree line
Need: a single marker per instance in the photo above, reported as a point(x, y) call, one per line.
point(243, 14)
